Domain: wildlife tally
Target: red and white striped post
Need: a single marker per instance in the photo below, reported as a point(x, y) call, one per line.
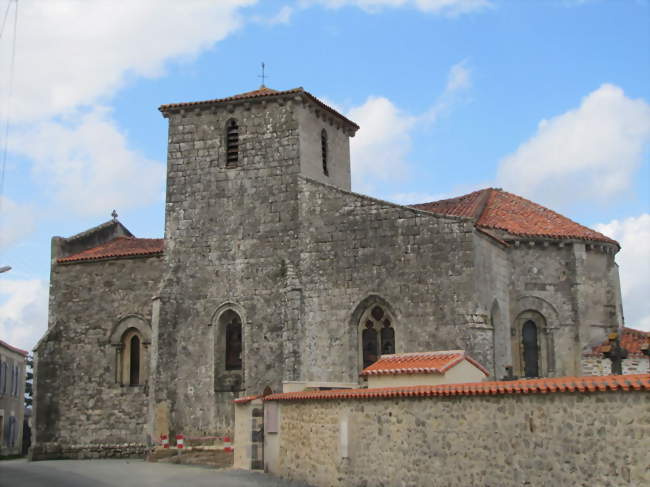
point(180, 442)
point(164, 439)
point(227, 444)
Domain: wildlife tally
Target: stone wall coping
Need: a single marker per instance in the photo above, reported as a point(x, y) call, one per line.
point(586, 384)
point(387, 203)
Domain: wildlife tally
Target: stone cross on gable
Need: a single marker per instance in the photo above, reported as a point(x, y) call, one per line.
point(114, 215)
point(616, 353)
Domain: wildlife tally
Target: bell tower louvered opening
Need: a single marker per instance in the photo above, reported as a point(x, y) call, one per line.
point(232, 143)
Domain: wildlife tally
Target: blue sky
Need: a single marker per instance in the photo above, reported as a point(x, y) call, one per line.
point(548, 99)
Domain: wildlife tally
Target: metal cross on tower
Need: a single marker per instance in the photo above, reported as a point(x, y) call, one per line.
point(263, 75)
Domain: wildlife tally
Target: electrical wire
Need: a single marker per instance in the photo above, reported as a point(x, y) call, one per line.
point(12, 68)
point(4, 20)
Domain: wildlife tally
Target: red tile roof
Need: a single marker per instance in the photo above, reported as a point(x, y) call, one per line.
point(259, 93)
point(631, 340)
point(496, 209)
point(419, 363)
point(13, 349)
point(119, 247)
point(639, 382)
point(247, 399)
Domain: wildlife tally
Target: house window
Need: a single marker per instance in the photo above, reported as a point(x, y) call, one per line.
point(324, 150)
point(232, 143)
point(233, 344)
point(377, 334)
point(3, 377)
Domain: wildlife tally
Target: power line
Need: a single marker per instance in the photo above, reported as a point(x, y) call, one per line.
point(4, 20)
point(12, 68)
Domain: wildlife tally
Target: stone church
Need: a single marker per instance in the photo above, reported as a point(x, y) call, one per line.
point(271, 269)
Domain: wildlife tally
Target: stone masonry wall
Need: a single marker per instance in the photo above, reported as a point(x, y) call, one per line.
point(570, 439)
point(77, 398)
point(353, 247)
point(597, 365)
point(229, 242)
point(573, 289)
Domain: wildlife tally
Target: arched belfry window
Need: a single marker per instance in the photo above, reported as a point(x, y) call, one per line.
point(324, 151)
point(233, 343)
point(377, 334)
point(232, 143)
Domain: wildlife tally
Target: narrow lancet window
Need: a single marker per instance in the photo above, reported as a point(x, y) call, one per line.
point(233, 344)
point(232, 143)
point(369, 339)
point(324, 149)
point(530, 349)
point(134, 363)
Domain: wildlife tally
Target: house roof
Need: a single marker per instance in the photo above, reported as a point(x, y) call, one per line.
point(13, 349)
point(119, 247)
point(247, 399)
point(495, 209)
point(631, 340)
point(638, 382)
point(262, 92)
point(420, 363)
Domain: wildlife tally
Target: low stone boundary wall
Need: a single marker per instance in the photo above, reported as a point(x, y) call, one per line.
point(52, 451)
point(589, 432)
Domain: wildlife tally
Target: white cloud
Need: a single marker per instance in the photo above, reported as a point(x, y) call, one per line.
point(634, 266)
point(589, 153)
point(72, 52)
point(380, 148)
point(443, 7)
point(88, 166)
point(16, 221)
point(283, 16)
point(23, 311)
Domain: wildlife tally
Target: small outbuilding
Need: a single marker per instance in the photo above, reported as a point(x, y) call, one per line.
point(424, 368)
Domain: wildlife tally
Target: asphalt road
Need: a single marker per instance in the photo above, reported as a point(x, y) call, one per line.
point(127, 473)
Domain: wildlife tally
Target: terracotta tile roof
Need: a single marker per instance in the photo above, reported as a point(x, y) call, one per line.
point(419, 363)
point(13, 349)
point(118, 247)
point(496, 209)
point(639, 382)
point(259, 93)
point(631, 340)
point(247, 399)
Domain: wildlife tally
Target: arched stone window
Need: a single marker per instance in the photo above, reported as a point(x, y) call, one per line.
point(131, 339)
point(377, 335)
point(530, 347)
point(232, 143)
point(228, 356)
point(233, 343)
point(324, 151)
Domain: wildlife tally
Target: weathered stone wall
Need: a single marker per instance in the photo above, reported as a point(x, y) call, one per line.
point(230, 239)
point(597, 439)
point(353, 247)
point(77, 397)
point(596, 365)
point(573, 288)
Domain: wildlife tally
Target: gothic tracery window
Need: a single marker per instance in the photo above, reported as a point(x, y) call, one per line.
point(232, 143)
point(377, 335)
